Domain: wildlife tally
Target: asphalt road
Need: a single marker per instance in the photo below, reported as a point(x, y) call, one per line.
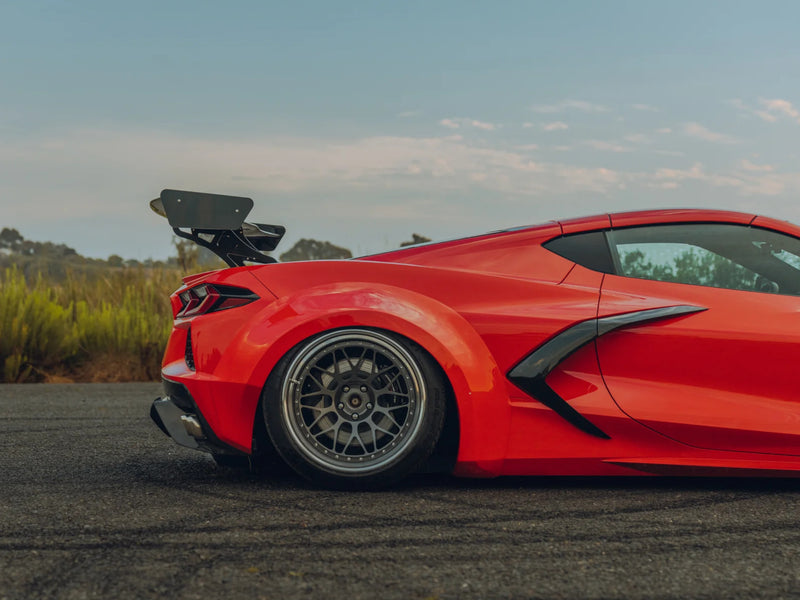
point(95, 502)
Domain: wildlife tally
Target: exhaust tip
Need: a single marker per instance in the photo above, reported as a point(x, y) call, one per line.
point(192, 426)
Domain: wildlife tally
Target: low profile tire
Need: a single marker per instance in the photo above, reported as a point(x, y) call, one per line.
point(355, 408)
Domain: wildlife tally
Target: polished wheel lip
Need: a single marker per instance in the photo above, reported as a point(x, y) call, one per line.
point(297, 428)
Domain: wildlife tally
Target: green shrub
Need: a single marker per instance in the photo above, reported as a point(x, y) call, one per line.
point(111, 325)
point(37, 333)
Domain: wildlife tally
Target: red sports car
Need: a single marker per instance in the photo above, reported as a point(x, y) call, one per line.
point(656, 342)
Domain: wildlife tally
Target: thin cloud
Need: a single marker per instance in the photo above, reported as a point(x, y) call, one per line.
point(645, 108)
point(457, 123)
point(667, 178)
point(747, 180)
point(669, 153)
point(765, 116)
point(305, 167)
point(747, 111)
point(483, 125)
point(606, 146)
point(769, 110)
point(673, 176)
point(779, 107)
point(555, 126)
point(637, 138)
point(565, 105)
point(407, 114)
point(749, 166)
point(698, 131)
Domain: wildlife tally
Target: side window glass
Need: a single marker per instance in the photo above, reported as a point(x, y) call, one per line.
point(782, 254)
point(683, 263)
point(736, 257)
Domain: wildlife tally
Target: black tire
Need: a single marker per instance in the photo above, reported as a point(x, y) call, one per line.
point(355, 408)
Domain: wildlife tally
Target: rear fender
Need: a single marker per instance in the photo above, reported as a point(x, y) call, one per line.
point(477, 382)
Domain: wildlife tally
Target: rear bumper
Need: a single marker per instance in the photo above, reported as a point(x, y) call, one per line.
point(177, 415)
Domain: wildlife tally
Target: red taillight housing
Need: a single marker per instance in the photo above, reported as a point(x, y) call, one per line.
point(206, 297)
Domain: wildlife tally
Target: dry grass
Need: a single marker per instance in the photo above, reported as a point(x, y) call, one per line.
point(111, 326)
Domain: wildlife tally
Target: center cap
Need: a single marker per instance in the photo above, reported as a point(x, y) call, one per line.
point(355, 403)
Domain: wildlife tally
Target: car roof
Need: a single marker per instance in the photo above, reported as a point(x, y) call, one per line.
point(639, 217)
point(647, 217)
point(552, 229)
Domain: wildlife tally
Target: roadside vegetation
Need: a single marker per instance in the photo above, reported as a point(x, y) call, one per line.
point(100, 327)
point(65, 317)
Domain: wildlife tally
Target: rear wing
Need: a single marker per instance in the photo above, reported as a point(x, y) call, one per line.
point(217, 222)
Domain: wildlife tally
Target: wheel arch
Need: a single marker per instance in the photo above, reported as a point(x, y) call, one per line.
point(470, 371)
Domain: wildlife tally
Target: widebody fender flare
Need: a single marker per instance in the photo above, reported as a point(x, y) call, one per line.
point(476, 380)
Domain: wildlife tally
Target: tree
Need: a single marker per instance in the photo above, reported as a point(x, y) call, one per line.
point(693, 267)
point(415, 239)
point(188, 253)
point(10, 239)
point(115, 261)
point(308, 249)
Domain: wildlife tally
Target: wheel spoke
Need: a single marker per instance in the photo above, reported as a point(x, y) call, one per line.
point(381, 429)
point(326, 431)
point(389, 415)
point(317, 382)
point(336, 372)
point(314, 394)
point(322, 375)
point(361, 358)
point(381, 372)
point(389, 383)
point(391, 395)
point(354, 436)
point(322, 415)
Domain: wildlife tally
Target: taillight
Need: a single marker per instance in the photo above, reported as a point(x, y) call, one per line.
point(206, 298)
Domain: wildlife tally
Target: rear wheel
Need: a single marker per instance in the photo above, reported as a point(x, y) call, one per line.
point(355, 408)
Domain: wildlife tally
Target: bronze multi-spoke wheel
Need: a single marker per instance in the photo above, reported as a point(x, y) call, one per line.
point(355, 406)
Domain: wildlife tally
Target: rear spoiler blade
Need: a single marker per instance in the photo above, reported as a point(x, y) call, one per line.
point(217, 222)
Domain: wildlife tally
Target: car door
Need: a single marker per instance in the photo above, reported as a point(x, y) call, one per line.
point(727, 375)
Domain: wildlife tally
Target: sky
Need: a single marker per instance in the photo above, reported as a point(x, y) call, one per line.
point(362, 122)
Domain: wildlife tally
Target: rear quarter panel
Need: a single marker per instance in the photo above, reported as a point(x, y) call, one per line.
point(476, 326)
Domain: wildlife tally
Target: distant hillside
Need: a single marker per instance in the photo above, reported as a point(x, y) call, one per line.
point(55, 261)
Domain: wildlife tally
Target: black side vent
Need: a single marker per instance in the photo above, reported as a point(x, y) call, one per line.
point(531, 372)
point(189, 354)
